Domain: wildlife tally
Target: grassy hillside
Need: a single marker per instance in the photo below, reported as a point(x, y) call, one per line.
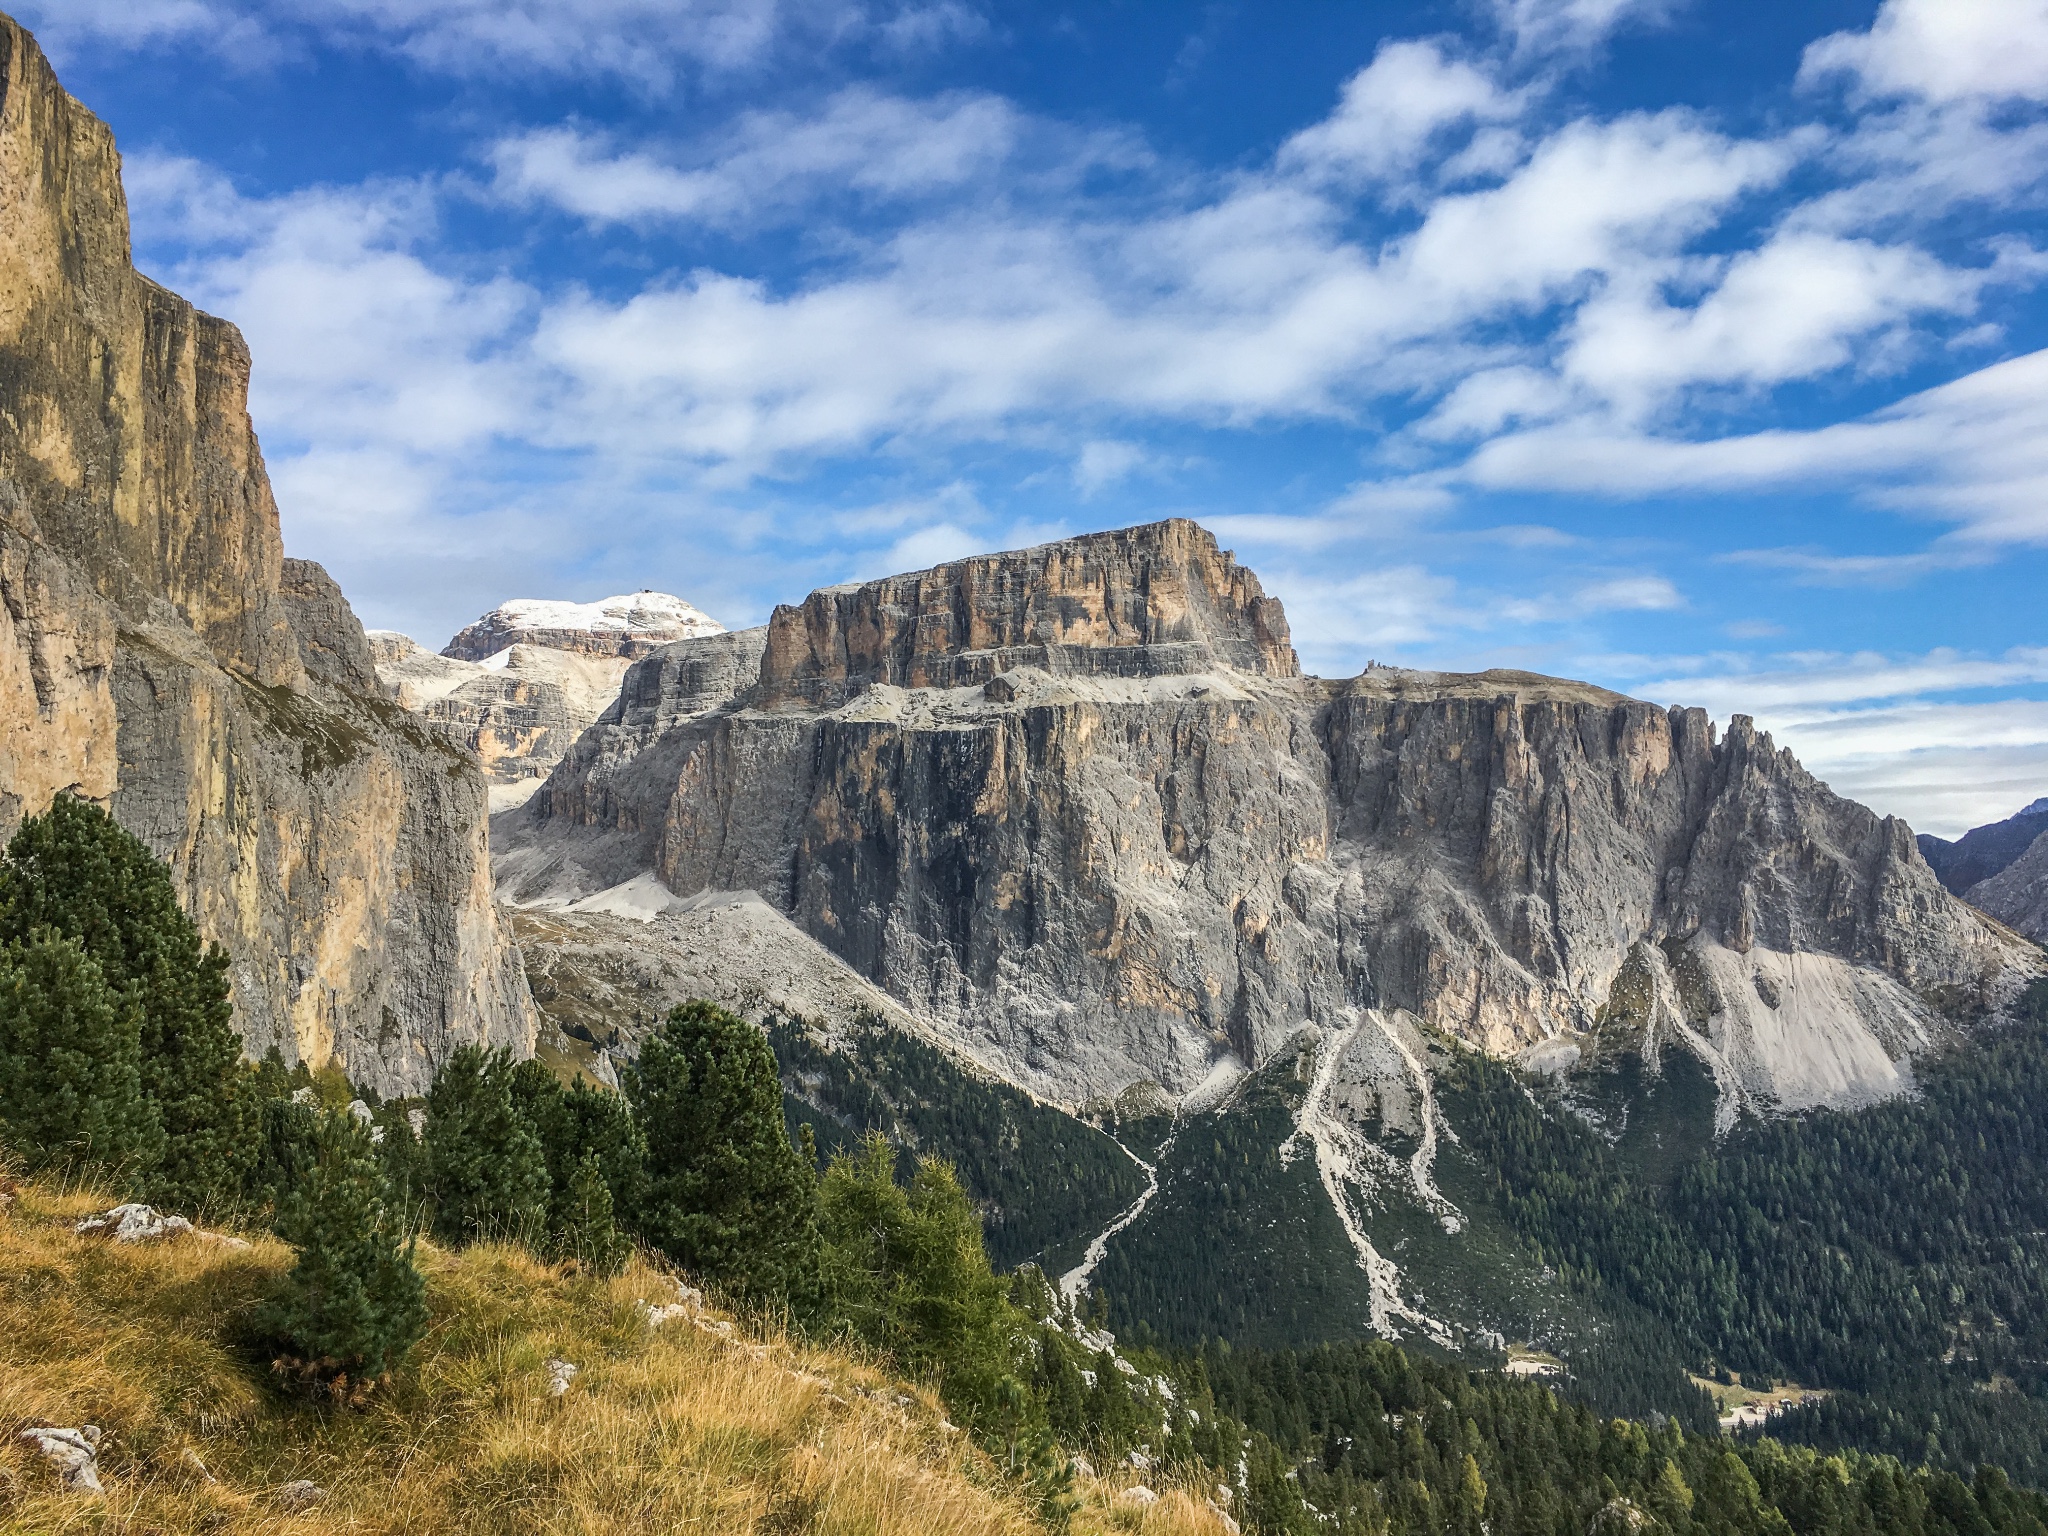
point(690, 1425)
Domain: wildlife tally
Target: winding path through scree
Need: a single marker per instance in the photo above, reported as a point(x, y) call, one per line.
point(1339, 1154)
point(1074, 1283)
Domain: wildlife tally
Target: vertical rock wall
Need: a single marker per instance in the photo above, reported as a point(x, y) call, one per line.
point(158, 654)
point(1076, 806)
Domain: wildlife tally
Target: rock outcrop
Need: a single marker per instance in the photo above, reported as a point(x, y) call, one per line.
point(1077, 807)
point(519, 685)
point(158, 654)
point(625, 627)
point(1983, 851)
point(2018, 893)
point(518, 710)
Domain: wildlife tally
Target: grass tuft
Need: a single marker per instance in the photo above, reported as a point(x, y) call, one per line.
point(749, 1431)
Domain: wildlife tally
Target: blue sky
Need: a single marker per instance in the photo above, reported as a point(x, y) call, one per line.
point(1699, 349)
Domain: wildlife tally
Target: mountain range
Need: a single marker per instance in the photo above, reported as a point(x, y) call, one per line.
point(1257, 1004)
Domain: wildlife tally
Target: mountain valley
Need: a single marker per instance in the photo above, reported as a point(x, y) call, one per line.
point(1499, 1016)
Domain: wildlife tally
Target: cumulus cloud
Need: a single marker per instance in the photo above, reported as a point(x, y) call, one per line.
point(1393, 110)
point(1942, 50)
point(1542, 26)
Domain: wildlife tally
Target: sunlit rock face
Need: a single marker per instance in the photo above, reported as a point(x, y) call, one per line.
point(160, 655)
point(1077, 807)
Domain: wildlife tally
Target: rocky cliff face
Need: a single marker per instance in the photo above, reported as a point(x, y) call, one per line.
point(1983, 851)
point(160, 655)
point(1076, 806)
point(518, 710)
point(2018, 893)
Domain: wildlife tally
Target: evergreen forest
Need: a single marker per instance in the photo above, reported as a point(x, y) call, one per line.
point(876, 1196)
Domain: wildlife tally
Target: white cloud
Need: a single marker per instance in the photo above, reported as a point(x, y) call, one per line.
point(1808, 680)
point(644, 42)
point(1392, 110)
point(1341, 622)
point(1614, 594)
point(861, 141)
point(1799, 306)
point(1816, 568)
point(1942, 50)
point(1629, 594)
point(1974, 451)
point(1105, 461)
point(1541, 26)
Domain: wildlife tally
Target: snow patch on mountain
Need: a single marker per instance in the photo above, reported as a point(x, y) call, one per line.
point(630, 613)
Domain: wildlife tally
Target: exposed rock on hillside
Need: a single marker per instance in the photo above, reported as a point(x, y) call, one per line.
point(606, 970)
point(2018, 894)
point(1983, 851)
point(160, 655)
point(518, 710)
point(1076, 805)
point(628, 626)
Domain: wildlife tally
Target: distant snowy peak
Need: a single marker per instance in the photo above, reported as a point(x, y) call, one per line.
point(2038, 808)
point(626, 626)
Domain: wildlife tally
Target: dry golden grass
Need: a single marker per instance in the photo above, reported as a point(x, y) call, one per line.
point(669, 1429)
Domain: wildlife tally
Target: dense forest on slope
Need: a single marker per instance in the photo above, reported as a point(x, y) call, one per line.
point(1240, 1243)
point(1044, 1181)
point(1379, 1440)
point(1894, 1254)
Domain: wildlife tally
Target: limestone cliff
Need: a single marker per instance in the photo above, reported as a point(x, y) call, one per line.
point(1076, 806)
point(159, 654)
point(519, 710)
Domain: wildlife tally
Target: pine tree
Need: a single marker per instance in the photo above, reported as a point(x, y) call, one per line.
point(585, 1229)
point(486, 1174)
point(727, 1195)
point(354, 1305)
point(70, 1061)
point(604, 1128)
point(905, 1270)
point(77, 870)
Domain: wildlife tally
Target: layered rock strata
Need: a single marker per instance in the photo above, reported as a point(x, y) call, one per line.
point(1077, 806)
point(518, 710)
point(158, 654)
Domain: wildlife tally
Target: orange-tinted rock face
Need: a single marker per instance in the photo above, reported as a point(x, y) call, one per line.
point(158, 654)
point(1154, 601)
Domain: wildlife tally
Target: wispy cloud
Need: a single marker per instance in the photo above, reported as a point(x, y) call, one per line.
point(646, 43)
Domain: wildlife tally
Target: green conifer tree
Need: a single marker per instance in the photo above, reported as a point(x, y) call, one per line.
point(727, 1196)
point(604, 1128)
point(70, 1062)
point(486, 1175)
point(77, 870)
point(905, 1269)
point(585, 1228)
point(354, 1304)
